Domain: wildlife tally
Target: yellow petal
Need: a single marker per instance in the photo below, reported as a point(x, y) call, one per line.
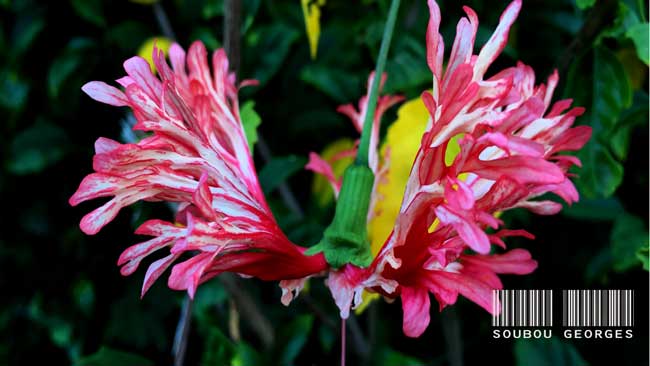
point(311, 12)
point(146, 50)
point(367, 299)
point(321, 188)
point(403, 140)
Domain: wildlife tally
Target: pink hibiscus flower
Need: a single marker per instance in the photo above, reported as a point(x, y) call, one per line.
point(198, 157)
point(510, 140)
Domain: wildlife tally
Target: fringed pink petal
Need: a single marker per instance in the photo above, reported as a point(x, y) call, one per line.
point(416, 306)
point(105, 93)
point(516, 261)
point(318, 165)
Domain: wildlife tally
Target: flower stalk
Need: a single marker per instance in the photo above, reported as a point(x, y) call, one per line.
point(346, 239)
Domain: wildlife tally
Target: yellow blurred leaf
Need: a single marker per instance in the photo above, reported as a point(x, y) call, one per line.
point(311, 12)
point(146, 50)
point(636, 70)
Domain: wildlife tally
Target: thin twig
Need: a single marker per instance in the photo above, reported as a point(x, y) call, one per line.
point(599, 16)
point(452, 333)
point(320, 313)
point(361, 347)
point(244, 302)
point(359, 339)
point(163, 21)
point(248, 308)
point(182, 332)
point(232, 32)
point(179, 346)
point(232, 45)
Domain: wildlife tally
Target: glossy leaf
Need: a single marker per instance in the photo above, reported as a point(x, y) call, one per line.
point(293, 338)
point(13, 90)
point(639, 35)
point(250, 120)
point(610, 97)
point(36, 148)
point(585, 4)
point(278, 170)
point(629, 236)
point(25, 31)
point(546, 352)
point(611, 88)
point(406, 68)
point(219, 349)
point(634, 117)
point(267, 48)
point(339, 85)
point(606, 209)
point(90, 10)
point(67, 65)
point(110, 357)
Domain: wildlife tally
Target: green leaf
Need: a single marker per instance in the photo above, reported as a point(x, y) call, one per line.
point(137, 322)
point(278, 170)
point(90, 10)
point(66, 65)
point(599, 265)
point(629, 236)
point(585, 4)
point(250, 8)
point(250, 120)
point(247, 356)
point(36, 148)
point(84, 296)
point(110, 357)
point(625, 19)
point(219, 349)
point(337, 84)
point(212, 8)
point(637, 115)
point(25, 31)
point(293, 338)
point(407, 68)
point(546, 352)
point(267, 49)
point(207, 36)
point(13, 90)
point(643, 254)
point(639, 35)
point(326, 337)
point(389, 357)
point(611, 95)
point(607, 209)
point(601, 174)
point(612, 89)
point(127, 36)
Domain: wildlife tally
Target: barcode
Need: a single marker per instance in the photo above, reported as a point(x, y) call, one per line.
point(598, 308)
point(522, 308)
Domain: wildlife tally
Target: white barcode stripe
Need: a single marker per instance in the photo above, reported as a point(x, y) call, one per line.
point(597, 308)
point(522, 308)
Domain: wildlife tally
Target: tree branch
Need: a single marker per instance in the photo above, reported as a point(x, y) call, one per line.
point(599, 16)
point(232, 32)
point(182, 332)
